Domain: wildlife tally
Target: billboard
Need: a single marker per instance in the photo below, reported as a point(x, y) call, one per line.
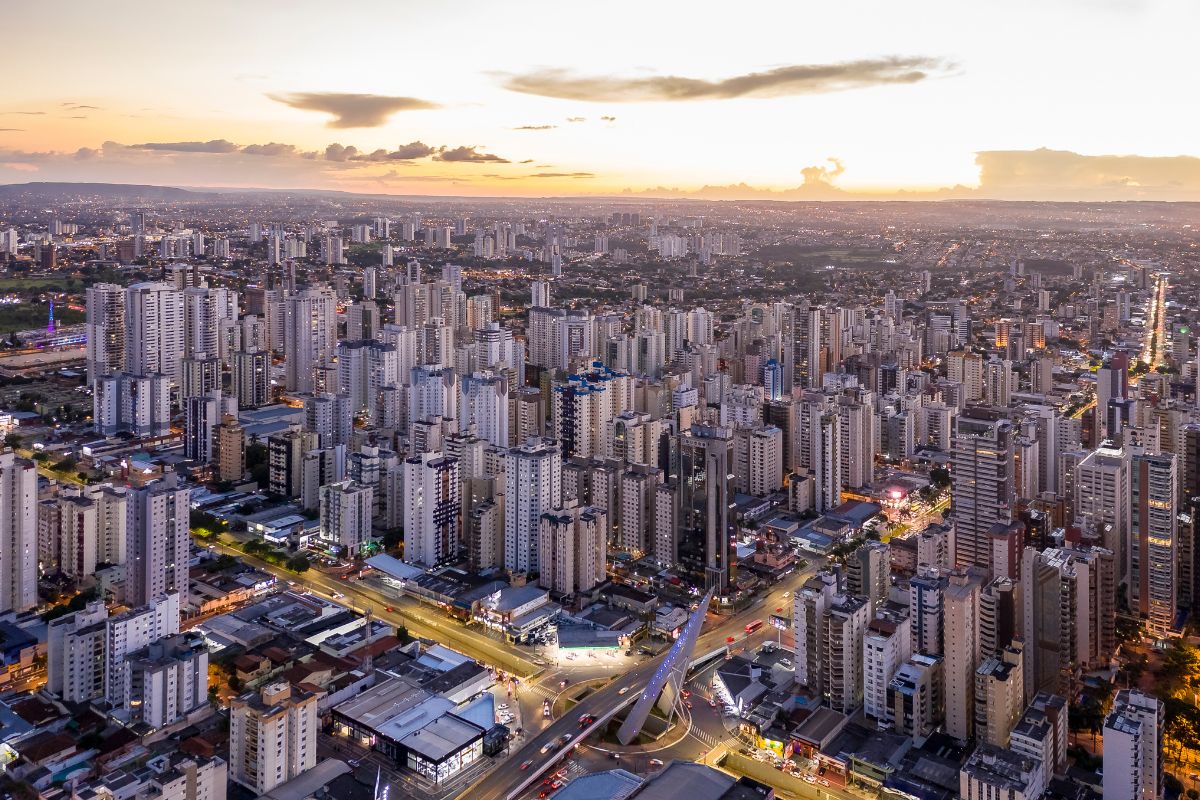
point(779, 621)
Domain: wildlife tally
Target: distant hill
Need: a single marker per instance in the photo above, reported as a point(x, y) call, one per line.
point(110, 191)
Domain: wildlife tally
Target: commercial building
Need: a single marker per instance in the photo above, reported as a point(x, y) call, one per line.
point(421, 731)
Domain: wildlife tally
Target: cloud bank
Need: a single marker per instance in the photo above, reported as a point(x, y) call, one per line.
point(1003, 174)
point(797, 79)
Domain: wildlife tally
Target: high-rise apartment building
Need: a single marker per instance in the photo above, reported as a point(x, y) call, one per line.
point(1154, 539)
point(533, 475)
point(105, 330)
point(154, 331)
point(887, 644)
point(18, 534)
point(432, 532)
point(272, 736)
point(309, 337)
point(1133, 747)
point(158, 541)
point(572, 547)
point(982, 484)
point(700, 464)
point(999, 696)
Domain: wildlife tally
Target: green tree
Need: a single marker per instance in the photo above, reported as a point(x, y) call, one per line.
point(940, 477)
point(299, 564)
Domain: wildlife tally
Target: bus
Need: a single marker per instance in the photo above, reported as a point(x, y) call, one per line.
point(753, 626)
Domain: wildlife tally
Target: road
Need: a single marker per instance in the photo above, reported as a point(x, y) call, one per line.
point(1155, 344)
point(420, 620)
point(504, 781)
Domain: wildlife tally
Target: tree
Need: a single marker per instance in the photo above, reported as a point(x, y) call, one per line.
point(12, 440)
point(1180, 667)
point(299, 564)
point(940, 476)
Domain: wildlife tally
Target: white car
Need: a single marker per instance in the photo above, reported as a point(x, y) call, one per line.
point(502, 706)
point(624, 689)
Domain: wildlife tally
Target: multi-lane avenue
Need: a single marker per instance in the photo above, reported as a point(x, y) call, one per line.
point(508, 779)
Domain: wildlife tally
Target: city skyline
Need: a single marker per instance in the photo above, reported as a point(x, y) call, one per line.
point(1060, 101)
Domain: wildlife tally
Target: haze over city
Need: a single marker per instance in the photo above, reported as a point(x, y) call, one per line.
point(1065, 100)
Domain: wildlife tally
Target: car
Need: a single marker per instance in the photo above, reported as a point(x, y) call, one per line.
point(686, 693)
point(337, 595)
point(786, 595)
point(502, 706)
point(615, 756)
point(688, 703)
point(730, 639)
point(624, 689)
point(547, 747)
point(525, 764)
point(712, 703)
point(566, 737)
point(823, 782)
point(656, 762)
point(786, 663)
point(809, 778)
point(390, 609)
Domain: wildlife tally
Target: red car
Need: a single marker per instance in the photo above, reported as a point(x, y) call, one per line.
point(525, 764)
point(730, 639)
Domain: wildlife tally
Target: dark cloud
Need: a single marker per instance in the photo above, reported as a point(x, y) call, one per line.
point(2, 130)
point(26, 113)
point(87, 153)
point(608, 119)
point(353, 110)
point(211, 146)
point(796, 79)
point(80, 107)
point(337, 152)
point(1063, 175)
point(270, 149)
point(405, 152)
point(576, 119)
point(562, 175)
point(469, 154)
point(530, 161)
point(535, 128)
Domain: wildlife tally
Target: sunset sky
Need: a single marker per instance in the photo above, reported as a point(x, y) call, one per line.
point(1037, 99)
